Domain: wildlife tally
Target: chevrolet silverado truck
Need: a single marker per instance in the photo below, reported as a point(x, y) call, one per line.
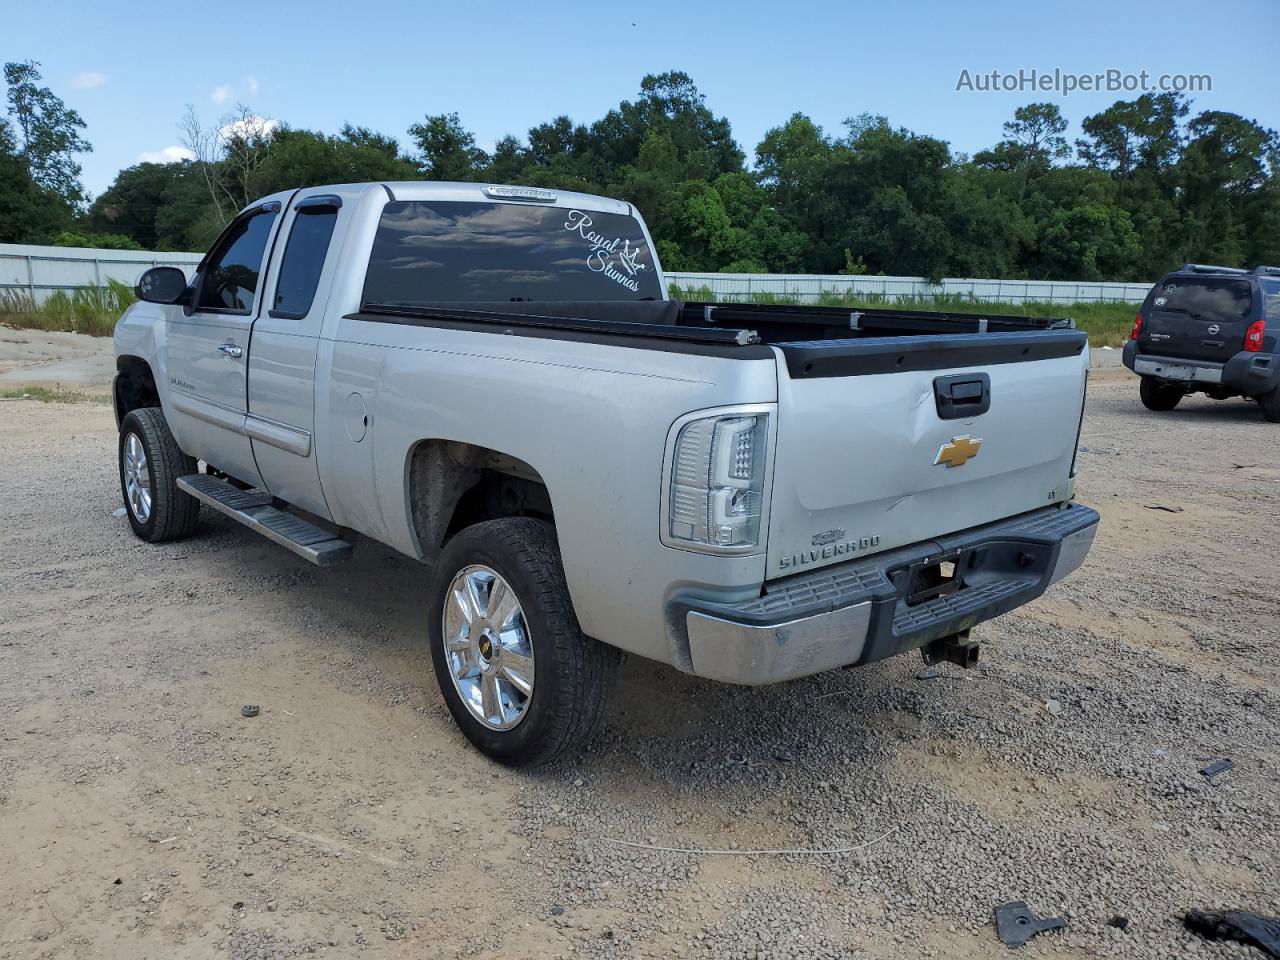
point(1210, 330)
point(493, 380)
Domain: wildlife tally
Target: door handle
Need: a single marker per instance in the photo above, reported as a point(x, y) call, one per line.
point(230, 349)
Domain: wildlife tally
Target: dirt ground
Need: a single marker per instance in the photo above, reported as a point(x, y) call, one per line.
point(141, 816)
point(54, 360)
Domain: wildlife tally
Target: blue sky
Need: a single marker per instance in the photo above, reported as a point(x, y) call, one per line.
point(131, 69)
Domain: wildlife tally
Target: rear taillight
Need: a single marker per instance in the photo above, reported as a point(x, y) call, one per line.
point(1137, 327)
point(1253, 336)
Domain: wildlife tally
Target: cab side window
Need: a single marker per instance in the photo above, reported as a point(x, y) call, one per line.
point(230, 276)
point(304, 258)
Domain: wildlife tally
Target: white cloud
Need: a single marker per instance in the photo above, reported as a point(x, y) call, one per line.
point(250, 125)
point(251, 84)
point(168, 155)
point(221, 94)
point(88, 79)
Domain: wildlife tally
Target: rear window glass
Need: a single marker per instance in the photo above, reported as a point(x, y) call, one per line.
point(441, 251)
point(1208, 299)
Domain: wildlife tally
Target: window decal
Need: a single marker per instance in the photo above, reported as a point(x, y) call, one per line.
point(618, 265)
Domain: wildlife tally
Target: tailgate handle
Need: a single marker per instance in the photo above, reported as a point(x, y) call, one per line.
point(962, 396)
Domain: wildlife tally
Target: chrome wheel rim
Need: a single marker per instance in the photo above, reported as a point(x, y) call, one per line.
point(137, 478)
point(487, 647)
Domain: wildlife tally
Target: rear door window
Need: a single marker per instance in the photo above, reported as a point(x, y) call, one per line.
point(429, 252)
point(1211, 299)
point(303, 262)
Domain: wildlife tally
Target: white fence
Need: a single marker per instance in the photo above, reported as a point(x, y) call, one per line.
point(40, 271)
point(807, 288)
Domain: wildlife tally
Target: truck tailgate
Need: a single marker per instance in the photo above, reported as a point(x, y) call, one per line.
point(873, 451)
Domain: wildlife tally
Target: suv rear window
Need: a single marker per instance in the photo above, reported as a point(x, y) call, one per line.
point(429, 252)
point(1212, 300)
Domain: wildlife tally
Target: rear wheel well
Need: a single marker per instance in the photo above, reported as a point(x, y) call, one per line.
point(135, 387)
point(454, 485)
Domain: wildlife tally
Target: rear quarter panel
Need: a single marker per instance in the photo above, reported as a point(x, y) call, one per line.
point(592, 420)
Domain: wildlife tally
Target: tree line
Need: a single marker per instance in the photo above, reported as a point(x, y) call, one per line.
point(1148, 185)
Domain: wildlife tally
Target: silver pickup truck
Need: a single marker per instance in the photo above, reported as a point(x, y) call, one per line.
point(493, 380)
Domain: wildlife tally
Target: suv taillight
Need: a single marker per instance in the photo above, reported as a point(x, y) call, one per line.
point(1137, 327)
point(1253, 336)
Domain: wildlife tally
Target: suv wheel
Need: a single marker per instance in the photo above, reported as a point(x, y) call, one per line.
point(1270, 404)
point(519, 677)
point(150, 465)
point(1157, 395)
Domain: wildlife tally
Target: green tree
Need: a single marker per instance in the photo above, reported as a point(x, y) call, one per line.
point(308, 158)
point(669, 105)
point(447, 150)
point(1227, 170)
point(28, 212)
point(98, 241)
point(1033, 141)
point(130, 205)
point(47, 132)
point(1134, 133)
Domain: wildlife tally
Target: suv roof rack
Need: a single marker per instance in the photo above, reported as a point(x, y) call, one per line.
point(1275, 270)
point(1209, 268)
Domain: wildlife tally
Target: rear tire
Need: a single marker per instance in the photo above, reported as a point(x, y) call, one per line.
point(1157, 395)
point(150, 465)
point(522, 681)
point(1270, 404)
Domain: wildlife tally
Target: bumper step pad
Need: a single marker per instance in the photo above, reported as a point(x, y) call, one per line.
point(254, 509)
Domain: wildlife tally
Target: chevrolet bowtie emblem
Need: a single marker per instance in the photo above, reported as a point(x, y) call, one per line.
point(958, 452)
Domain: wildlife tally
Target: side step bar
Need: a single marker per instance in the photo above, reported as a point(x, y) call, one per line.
point(253, 508)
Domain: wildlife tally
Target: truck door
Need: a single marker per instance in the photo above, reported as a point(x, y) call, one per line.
point(282, 363)
point(207, 346)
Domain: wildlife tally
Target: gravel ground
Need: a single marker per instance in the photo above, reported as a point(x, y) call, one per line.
point(142, 816)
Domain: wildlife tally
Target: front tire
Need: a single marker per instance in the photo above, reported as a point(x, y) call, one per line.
point(1157, 395)
point(1270, 404)
point(519, 677)
point(150, 464)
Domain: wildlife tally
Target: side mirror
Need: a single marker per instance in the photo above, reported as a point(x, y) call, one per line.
point(161, 285)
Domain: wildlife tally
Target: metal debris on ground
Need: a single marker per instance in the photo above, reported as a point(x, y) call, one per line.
point(1161, 506)
point(249, 710)
point(1217, 767)
point(1239, 925)
point(1016, 923)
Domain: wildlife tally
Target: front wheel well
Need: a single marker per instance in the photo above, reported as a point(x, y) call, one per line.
point(134, 388)
point(455, 485)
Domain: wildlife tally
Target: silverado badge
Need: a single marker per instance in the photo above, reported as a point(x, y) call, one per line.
point(958, 452)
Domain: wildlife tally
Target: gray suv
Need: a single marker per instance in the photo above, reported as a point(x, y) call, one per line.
point(1211, 330)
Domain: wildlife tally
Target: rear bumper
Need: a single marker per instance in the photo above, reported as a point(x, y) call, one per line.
point(857, 612)
point(1248, 373)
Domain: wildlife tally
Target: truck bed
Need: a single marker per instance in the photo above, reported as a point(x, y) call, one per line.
point(801, 331)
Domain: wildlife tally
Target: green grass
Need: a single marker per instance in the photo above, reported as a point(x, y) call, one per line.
point(90, 310)
point(1107, 323)
point(56, 395)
